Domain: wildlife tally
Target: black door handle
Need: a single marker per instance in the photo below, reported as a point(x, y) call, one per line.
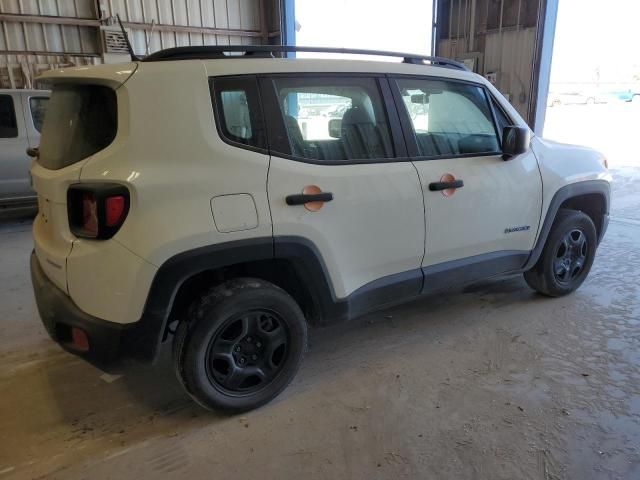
point(301, 198)
point(438, 186)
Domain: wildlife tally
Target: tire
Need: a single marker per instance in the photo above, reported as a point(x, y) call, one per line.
point(240, 345)
point(567, 255)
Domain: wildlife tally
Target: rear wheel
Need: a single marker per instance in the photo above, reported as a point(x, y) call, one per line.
point(241, 345)
point(567, 255)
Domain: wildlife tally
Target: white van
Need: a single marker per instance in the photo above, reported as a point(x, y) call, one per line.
point(21, 117)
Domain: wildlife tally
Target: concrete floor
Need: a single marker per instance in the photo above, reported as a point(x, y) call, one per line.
point(493, 382)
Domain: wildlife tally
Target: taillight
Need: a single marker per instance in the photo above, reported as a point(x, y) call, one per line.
point(97, 210)
point(89, 214)
point(114, 207)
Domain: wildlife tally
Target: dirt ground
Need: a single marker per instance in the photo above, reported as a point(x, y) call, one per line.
point(489, 382)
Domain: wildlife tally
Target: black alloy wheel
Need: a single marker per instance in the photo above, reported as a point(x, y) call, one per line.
point(240, 345)
point(571, 256)
point(248, 352)
point(567, 255)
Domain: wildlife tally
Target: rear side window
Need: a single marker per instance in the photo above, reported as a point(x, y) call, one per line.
point(334, 119)
point(81, 120)
point(238, 113)
point(449, 118)
point(8, 125)
point(37, 106)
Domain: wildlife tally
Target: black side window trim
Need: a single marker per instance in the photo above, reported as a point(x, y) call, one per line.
point(495, 104)
point(218, 119)
point(278, 139)
point(12, 102)
point(407, 127)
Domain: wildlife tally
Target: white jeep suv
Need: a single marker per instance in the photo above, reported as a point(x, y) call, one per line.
point(224, 202)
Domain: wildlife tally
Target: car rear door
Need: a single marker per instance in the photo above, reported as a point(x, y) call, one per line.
point(488, 224)
point(338, 136)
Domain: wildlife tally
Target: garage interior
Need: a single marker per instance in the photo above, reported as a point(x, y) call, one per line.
point(490, 381)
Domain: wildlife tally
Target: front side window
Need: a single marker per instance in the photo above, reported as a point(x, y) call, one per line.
point(449, 118)
point(8, 125)
point(334, 119)
point(37, 106)
point(238, 112)
point(81, 120)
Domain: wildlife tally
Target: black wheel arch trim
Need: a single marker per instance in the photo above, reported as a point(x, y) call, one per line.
point(599, 187)
point(144, 338)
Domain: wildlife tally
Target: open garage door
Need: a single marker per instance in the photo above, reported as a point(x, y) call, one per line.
point(594, 92)
point(403, 25)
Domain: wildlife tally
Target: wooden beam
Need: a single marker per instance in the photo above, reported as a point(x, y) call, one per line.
point(80, 22)
point(48, 54)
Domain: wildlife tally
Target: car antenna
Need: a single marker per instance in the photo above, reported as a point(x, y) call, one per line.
point(134, 57)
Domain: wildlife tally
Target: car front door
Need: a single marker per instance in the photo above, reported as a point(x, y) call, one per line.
point(482, 212)
point(331, 136)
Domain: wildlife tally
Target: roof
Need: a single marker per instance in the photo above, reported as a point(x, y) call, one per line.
point(257, 66)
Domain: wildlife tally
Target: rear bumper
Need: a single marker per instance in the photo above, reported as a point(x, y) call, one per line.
point(59, 315)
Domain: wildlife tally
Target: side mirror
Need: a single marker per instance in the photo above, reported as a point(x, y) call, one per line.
point(515, 141)
point(335, 127)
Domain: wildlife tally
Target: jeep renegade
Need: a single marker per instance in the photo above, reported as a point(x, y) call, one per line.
point(221, 203)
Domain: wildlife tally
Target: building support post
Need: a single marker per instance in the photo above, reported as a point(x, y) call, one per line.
point(542, 66)
point(288, 28)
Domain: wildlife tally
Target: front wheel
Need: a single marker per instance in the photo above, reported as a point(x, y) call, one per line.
point(567, 255)
point(240, 346)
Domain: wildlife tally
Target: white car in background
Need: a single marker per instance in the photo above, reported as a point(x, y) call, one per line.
point(570, 98)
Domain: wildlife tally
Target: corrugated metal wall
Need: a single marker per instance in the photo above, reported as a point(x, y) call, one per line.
point(37, 35)
point(501, 37)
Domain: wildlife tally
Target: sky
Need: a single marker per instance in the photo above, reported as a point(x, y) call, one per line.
point(401, 25)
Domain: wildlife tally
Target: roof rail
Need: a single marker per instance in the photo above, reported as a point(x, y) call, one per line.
point(221, 51)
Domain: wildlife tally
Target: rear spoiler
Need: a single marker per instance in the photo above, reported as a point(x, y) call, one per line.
point(112, 75)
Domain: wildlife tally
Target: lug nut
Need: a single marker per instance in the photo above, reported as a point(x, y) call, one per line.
point(237, 349)
point(258, 344)
point(242, 360)
point(249, 339)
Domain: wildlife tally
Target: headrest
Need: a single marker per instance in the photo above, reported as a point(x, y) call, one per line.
point(356, 116)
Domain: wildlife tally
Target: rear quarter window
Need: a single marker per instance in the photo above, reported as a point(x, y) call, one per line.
point(238, 112)
point(81, 120)
point(38, 105)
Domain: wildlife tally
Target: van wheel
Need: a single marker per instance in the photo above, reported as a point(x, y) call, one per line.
point(240, 346)
point(567, 255)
